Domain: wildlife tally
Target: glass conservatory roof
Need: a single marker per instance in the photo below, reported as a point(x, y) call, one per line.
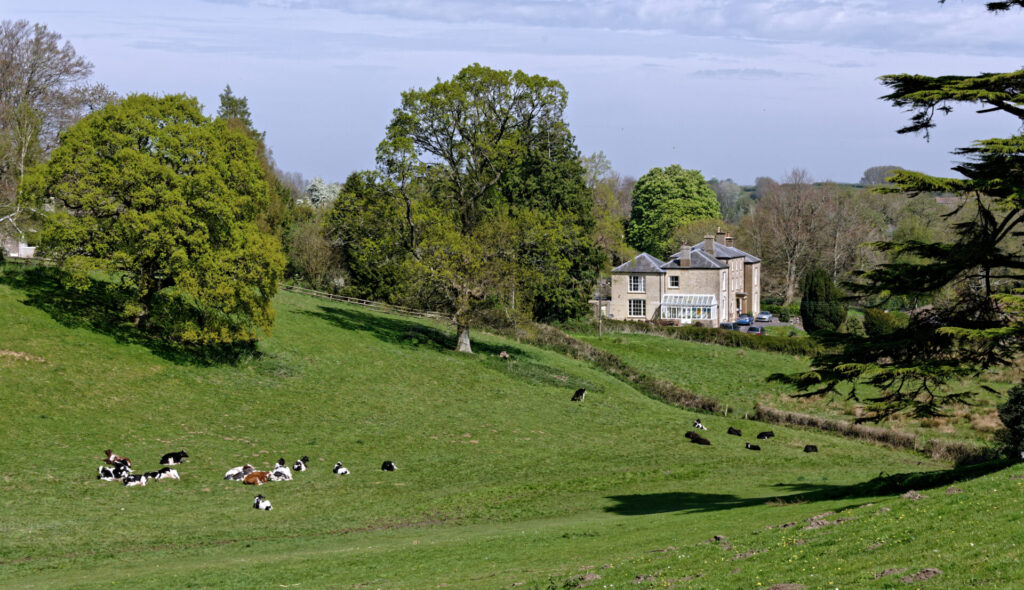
point(689, 300)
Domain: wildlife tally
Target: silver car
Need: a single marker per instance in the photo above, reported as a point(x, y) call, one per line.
point(764, 316)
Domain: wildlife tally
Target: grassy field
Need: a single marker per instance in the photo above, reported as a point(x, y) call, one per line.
point(737, 377)
point(501, 479)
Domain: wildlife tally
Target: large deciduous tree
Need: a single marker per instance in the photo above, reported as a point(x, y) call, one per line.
point(44, 88)
point(664, 199)
point(167, 201)
point(489, 149)
point(919, 367)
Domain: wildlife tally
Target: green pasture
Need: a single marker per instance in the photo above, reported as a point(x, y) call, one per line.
point(501, 479)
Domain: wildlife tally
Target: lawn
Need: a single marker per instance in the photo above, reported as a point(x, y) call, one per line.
point(501, 479)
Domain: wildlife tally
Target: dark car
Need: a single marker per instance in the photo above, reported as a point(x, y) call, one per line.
point(757, 330)
point(745, 320)
point(764, 316)
point(728, 326)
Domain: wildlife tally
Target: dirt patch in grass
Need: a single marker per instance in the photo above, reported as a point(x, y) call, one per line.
point(20, 356)
point(912, 495)
point(951, 490)
point(890, 571)
point(787, 587)
point(925, 574)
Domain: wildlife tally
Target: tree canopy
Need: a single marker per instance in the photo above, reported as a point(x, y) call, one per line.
point(167, 201)
point(493, 207)
point(980, 322)
point(821, 307)
point(663, 199)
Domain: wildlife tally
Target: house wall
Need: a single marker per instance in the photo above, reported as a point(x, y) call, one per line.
point(618, 307)
point(752, 285)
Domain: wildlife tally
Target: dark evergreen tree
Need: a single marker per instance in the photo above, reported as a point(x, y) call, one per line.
point(1011, 412)
point(822, 306)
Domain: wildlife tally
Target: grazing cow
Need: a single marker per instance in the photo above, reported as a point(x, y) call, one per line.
point(765, 435)
point(174, 458)
point(698, 425)
point(237, 473)
point(696, 438)
point(256, 478)
point(811, 449)
point(753, 447)
point(131, 481)
point(106, 473)
point(340, 469)
point(261, 503)
point(300, 464)
point(503, 355)
point(388, 466)
point(735, 431)
point(167, 473)
point(112, 458)
point(579, 395)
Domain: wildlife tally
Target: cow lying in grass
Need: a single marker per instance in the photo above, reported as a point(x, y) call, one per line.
point(261, 503)
point(300, 464)
point(696, 438)
point(237, 473)
point(174, 458)
point(113, 459)
point(256, 478)
point(340, 469)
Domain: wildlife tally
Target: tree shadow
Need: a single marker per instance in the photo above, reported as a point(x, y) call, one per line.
point(403, 332)
point(94, 309)
point(640, 504)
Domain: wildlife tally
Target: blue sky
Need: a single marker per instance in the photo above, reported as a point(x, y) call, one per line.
point(736, 89)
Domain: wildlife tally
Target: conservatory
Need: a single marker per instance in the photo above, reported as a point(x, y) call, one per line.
point(687, 308)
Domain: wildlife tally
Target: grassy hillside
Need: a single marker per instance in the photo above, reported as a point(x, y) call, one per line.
point(737, 377)
point(501, 479)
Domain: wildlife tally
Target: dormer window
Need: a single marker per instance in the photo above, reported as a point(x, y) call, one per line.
point(636, 284)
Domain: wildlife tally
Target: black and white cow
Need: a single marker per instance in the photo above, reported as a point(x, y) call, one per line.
point(388, 466)
point(579, 395)
point(167, 473)
point(174, 458)
point(261, 503)
point(300, 464)
point(698, 425)
point(131, 481)
point(753, 447)
point(237, 473)
point(106, 473)
point(765, 435)
point(340, 469)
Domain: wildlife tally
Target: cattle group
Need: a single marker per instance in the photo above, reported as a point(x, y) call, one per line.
point(700, 440)
point(119, 468)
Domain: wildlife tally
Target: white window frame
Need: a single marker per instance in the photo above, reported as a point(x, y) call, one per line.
point(673, 279)
point(641, 284)
point(643, 308)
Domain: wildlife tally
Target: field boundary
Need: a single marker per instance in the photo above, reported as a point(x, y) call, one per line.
point(374, 305)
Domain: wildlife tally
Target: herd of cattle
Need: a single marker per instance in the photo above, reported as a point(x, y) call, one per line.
point(700, 440)
point(120, 468)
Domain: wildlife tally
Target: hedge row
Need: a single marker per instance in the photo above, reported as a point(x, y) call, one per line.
point(784, 344)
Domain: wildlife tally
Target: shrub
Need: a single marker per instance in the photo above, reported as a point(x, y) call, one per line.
point(1011, 412)
point(822, 307)
point(879, 323)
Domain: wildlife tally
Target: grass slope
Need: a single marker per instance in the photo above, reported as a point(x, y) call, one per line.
point(500, 480)
point(737, 377)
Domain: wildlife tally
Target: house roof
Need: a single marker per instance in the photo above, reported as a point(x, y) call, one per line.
point(723, 251)
point(698, 259)
point(642, 262)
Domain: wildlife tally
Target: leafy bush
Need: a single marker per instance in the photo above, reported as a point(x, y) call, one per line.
point(880, 323)
point(800, 346)
point(1011, 412)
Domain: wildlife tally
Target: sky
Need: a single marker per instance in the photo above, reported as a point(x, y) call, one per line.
point(734, 88)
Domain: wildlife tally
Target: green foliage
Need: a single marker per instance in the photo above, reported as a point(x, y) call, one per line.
point(165, 199)
point(234, 107)
point(879, 323)
point(821, 307)
point(1011, 412)
point(663, 199)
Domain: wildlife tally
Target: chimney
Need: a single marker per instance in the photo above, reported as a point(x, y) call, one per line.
point(709, 245)
point(720, 236)
point(728, 239)
point(684, 255)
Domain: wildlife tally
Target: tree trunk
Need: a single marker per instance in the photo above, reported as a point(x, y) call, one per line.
point(463, 345)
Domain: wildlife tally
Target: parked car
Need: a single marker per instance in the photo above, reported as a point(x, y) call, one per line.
point(745, 320)
point(728, 326)
point(764, 316)
point(757, 330)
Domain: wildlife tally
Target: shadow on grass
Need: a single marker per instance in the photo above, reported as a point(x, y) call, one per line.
point(640, 504)
point(401, 331)
point(94, 309)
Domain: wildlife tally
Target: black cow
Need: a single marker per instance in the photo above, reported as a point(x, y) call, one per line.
point(696, 438)
point(388, 466)
point(765, 435)
point(579, 395)
point(810, 449)
point(173, 458)
point(753, 447)
point(735, 431)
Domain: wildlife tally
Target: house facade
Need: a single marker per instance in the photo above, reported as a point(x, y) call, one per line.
point(710, 282)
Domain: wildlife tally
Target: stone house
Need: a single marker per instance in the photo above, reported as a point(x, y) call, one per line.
point(710, 282)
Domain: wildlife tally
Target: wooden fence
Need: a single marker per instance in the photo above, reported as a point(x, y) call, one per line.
point(374, 305)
